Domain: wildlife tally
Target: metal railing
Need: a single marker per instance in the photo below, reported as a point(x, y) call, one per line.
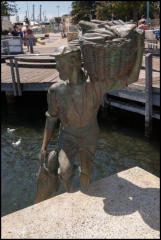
point(153, 44)
point(16, 84)
point(6, 44)
point(25, 55)
point(10, 37)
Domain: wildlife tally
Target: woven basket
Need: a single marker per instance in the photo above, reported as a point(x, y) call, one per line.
point(113, 60)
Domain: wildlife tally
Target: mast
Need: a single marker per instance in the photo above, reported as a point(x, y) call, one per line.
point(27, 11)
point(33, 12)
point(40, 12)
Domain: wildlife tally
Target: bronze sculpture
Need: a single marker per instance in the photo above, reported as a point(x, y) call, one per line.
point(76, 98)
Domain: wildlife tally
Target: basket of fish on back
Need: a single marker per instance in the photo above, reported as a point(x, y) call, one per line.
point(111, 50)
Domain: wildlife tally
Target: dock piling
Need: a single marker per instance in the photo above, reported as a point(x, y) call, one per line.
point(13, 77)
point(18, 78)
point(148, 95)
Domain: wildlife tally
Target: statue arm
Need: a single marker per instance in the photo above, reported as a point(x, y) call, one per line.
point(51, 119)
point(49, 130)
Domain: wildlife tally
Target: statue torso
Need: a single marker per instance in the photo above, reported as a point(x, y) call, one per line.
point(77, 106)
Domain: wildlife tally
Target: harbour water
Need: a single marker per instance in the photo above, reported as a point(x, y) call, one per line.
point(121, 145)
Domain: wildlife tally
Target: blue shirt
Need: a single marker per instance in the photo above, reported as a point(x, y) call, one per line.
point(21, 34)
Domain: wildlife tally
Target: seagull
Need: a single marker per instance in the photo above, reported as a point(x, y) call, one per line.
point(16, 144)
point(10, 131)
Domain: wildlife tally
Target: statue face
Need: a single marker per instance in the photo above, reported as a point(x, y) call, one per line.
point(63, 65)
point(66, 64)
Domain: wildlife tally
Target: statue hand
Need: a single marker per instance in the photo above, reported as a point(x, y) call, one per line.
point(42, 156)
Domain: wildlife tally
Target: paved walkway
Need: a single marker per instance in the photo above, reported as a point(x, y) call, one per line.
point(50, 46)
point(122, 206)
point(56, 42)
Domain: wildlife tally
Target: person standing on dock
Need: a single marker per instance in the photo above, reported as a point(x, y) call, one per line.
point(142, 25)
point(62, 29)
point(20, 33)
point(15, 32)
point(28, 39)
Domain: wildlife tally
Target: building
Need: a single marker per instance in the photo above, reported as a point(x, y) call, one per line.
point(6, 23)
point(69, 27)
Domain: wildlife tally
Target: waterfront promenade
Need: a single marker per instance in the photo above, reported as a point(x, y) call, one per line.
point(48, 75)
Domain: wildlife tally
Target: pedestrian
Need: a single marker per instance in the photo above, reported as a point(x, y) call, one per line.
point(143, 25)
point(141, 19)
point(21, 33)
point(61, 29)
point(15, 32)
point(10, 34)
point(113, 17)
point(28, 38)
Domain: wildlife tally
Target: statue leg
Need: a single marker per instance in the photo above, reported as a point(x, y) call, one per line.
point(66, 169)
point(47, 180)
point(85, 159)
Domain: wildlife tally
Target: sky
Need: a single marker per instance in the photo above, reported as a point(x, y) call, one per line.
point(48, 7)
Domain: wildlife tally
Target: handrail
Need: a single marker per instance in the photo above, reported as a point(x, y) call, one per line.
point(17, 85)
point(11, 37)
point(8, 41)
point(154, 44)
point(27, 55)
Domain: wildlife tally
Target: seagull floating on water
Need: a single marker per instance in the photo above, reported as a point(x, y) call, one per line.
point(16, 144)
point(9, 130)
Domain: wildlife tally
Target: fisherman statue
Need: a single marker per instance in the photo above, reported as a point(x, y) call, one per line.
point(112, 54)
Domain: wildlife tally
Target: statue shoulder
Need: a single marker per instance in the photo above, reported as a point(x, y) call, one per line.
point(56, 86)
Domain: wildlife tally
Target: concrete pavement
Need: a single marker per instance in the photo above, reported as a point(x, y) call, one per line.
point(122, 206)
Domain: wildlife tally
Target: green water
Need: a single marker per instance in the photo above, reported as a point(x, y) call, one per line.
point(121, 145)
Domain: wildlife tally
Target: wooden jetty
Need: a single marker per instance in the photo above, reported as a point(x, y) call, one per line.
point(142, 97)
point(30, 73)
point(37, 72)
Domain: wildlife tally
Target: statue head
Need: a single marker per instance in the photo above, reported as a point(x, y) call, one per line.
point(68, 60)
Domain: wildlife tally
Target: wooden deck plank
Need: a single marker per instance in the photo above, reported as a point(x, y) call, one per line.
point(31, 75)
point(28, 75)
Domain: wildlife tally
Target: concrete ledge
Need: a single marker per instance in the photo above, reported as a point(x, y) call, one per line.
point(123, 206)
